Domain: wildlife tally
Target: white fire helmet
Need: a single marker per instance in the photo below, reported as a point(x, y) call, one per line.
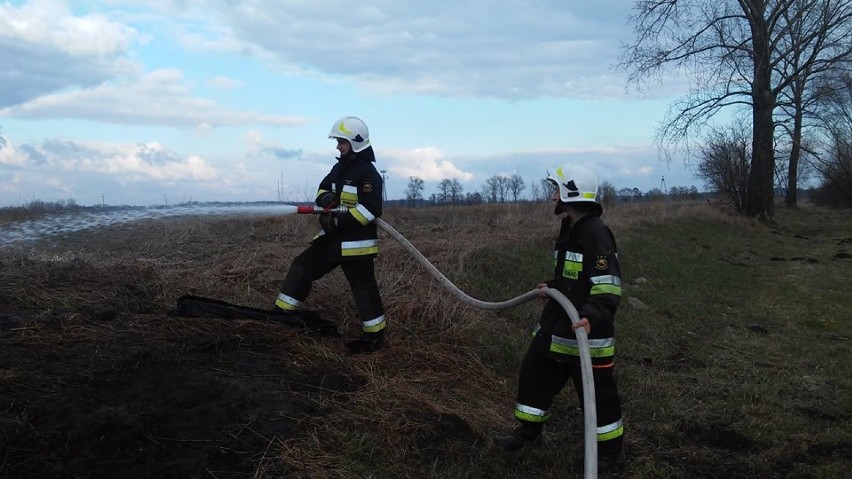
point(352, 129)
point(575, 183)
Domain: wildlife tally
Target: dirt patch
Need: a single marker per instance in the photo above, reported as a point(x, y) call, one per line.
point(98, 380)
point(194, 407)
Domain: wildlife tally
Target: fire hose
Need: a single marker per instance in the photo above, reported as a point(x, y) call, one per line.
point(589, 410)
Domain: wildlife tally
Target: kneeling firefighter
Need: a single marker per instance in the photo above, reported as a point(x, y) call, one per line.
point(587, 272)
point(348, 240)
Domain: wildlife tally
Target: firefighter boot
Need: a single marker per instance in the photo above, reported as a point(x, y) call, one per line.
point(611, 454)
point(526, 433)
point(367, 343)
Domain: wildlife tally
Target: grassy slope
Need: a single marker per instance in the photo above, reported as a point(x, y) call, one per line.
point(741, 363)
point(739, 368)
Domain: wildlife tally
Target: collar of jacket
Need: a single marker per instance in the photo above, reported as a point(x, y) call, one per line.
point(366, 155)
point(568, 228)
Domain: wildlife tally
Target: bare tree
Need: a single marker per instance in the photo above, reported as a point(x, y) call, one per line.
point(414, 190)
point(683, 193)
point(629, 194)
point(473, 198)
point(834, 165)
point(515, 185)
point(815, 44)
point(496, 188)
point(724, 164)
point(491, 188)
point(443, 195)
point(540, 190)
point(732, 47)
point(606, 194)
point(784, 160)
point(456, 189)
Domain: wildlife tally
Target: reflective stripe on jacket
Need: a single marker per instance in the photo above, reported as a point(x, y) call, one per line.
point(357, 185)
point(587, 272)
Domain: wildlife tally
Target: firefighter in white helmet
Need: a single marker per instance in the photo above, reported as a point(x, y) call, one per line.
point(348, 240)
point(587, 272)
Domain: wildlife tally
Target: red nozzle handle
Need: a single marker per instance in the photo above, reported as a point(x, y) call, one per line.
point(315, 210)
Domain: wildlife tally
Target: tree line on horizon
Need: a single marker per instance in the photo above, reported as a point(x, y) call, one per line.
point(510, 189)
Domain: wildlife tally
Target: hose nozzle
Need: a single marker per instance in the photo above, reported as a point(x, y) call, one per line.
point(316, 210)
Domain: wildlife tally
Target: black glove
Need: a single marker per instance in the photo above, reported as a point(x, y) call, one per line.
point(327, 200)
point(328, 222)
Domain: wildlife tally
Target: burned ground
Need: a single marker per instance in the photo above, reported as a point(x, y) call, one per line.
point(147, 395)
point(99, 381)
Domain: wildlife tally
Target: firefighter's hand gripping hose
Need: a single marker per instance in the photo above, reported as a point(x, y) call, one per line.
point(589, 411)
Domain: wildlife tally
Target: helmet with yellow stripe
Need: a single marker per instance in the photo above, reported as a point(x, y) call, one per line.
point(576, 184)
point(354, 130)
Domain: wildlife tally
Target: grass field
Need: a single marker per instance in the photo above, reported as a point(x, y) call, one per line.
point(733, 354)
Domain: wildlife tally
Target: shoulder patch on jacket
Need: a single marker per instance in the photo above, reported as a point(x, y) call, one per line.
point(367, 187)
point(602, 262)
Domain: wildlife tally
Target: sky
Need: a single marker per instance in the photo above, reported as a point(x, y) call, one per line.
point(168, 101)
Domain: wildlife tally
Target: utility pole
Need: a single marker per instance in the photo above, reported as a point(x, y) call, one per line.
point(384, 185)
point(103, 201)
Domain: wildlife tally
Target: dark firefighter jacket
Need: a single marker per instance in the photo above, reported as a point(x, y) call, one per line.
point(357, 186)
point(587, 272)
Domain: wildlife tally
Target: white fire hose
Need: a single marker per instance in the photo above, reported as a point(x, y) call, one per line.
point(589, 411)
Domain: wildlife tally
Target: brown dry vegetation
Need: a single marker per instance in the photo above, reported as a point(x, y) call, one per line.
point(97, 380)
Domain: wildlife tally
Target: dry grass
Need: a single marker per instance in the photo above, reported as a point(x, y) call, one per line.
point(86, 328)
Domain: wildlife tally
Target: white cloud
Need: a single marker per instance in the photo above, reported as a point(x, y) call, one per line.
point(51, 24)
point(125, 173)
point(44, 48)
point(133, 162)
point(225, 83)
point(508, 49)
point(160, 97)
point(9, 156)
point(57, 64)
point(427, 164)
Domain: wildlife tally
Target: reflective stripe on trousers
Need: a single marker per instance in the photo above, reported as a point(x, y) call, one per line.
point(530, 414)
point(359, 248)
point(288, 303)
point(374, 325)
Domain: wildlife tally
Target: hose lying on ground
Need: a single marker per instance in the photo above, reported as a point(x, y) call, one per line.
point(589, 411)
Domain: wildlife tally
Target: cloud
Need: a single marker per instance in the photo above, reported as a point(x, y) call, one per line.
point(44, 48)
point(160, 97)
point(225, 83)
point(126, 173)
point(33, 155)
point(427, 164)
point(621, 165)
point(131, 162)
point(60, 65)
point(513, 49)
point(9, 156)
point(257, 146)
point(50, 23)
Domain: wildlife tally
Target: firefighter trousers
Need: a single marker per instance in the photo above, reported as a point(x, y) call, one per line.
point(542, 378)
point(313, 263)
